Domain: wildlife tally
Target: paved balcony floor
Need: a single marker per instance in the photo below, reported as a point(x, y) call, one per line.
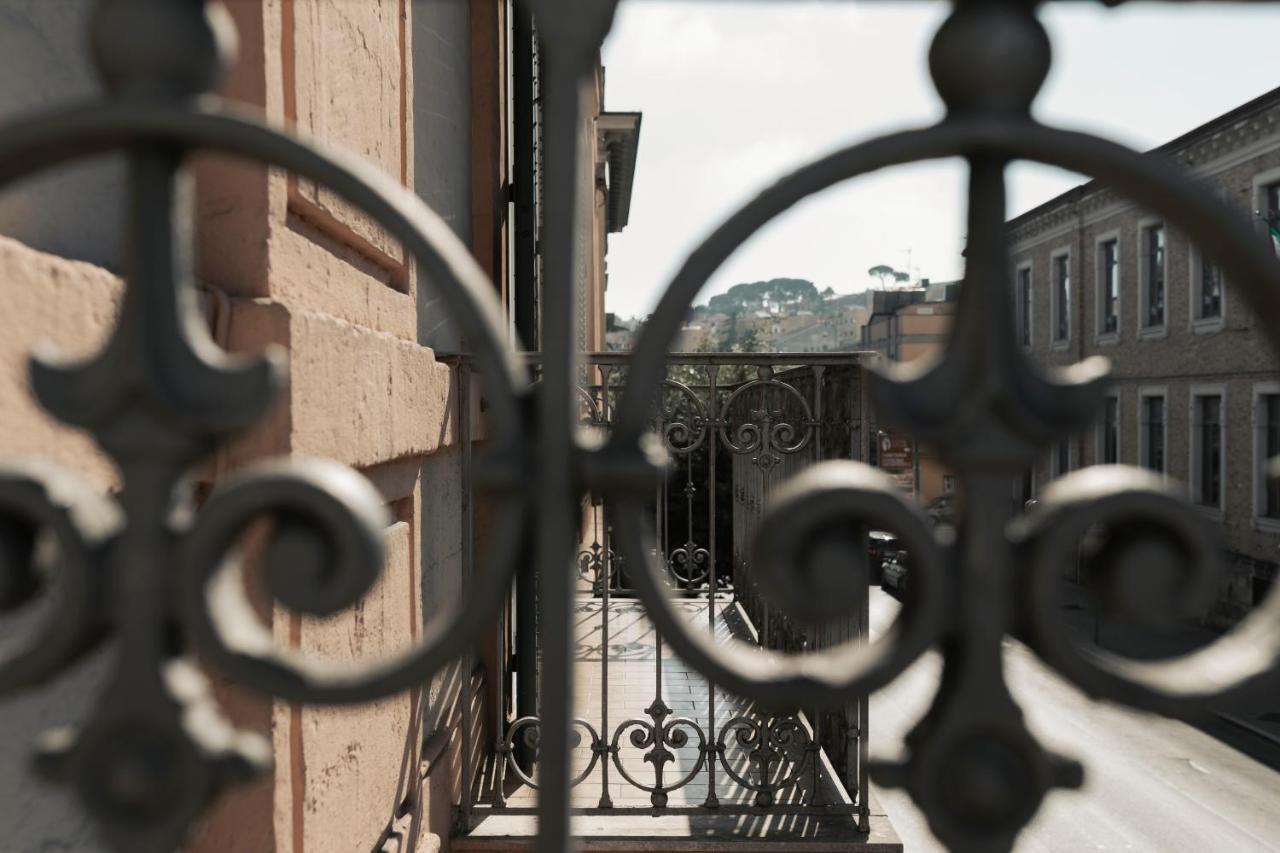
point(616, 700)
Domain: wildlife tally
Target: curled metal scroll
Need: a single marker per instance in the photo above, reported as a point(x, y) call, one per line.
point(47, 141)
point(767, 742)
point(526, 730)
point(37, 496)
point(591, 407)
point(689, 563)
point(768, 433)
point(682, 433)
point(1163, 563)
point(149, 569)
point(658, 738)
point(596, 562)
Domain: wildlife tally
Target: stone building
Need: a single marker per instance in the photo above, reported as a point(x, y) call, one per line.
point(1197, 391)
point(904, 325)
point(429, 93)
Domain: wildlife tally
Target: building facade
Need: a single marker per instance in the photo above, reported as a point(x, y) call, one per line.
point(904, 325)
point(1196, 390)
point(425, 92)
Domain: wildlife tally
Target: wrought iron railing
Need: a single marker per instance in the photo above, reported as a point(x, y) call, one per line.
point(142, 569)
point(735, 426)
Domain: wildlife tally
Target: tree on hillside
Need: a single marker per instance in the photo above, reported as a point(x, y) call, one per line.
point(751, 296)
point(886, 273)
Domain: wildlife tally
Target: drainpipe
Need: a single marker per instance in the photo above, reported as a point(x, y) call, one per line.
point(524, 179)
point(527, 286)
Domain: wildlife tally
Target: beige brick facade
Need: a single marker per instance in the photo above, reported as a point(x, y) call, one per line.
point(285, 262)
point(1179, 359)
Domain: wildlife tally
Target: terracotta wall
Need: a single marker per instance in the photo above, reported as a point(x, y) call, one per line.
point(284, 261)
point(69, 304)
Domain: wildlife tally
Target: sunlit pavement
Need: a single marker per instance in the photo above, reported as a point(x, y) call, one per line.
point(1152, 784)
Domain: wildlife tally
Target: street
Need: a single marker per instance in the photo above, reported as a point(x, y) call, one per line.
point(1152, 784)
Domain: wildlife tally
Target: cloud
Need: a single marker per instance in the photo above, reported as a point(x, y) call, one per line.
point(735, 94)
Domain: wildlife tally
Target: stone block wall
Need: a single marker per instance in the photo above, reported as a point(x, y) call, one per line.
point(281, 261)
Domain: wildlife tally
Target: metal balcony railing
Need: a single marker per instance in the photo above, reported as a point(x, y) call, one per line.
point(735, 426)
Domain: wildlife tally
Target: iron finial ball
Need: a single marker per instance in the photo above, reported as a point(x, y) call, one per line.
point(197, 48)
point(990, 56)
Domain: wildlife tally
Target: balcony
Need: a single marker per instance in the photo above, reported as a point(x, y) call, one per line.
point(658, 749)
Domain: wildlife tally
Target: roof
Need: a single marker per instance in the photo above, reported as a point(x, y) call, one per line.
point(1261, 104)
point(620, 138)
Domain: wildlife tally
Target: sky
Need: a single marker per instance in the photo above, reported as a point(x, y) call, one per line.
point(736, 94)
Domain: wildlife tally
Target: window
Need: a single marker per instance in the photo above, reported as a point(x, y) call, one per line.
point(1109, 433)
point(1261, 589)
point(1153, 274)
point(1151, 431)
point(1271, 447)
point(1061, 458)
point(1266, 201)
point(1109, 283)
point(1206, 292)
point(1271, 213)
point(1206, 449)
point(1061, 266)
point(1266, 446)
point(1209, 305)
point(1024, 306)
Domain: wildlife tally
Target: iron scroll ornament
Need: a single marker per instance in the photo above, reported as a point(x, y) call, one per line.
point(974, 769)
point(148, 568)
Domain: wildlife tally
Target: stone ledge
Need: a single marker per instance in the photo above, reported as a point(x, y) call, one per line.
point(642, 833)
point(355, 395)
point(72, 305)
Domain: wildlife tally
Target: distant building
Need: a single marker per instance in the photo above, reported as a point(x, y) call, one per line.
point(618, 334)
point(1196, 393)
point(813, 337)
point(904, 325)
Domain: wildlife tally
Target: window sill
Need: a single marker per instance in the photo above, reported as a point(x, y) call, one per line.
point(1207, 327)
point(1266, 525)
point(1153, 333)
point(1060, 345)
point(1213, 513)
point(1110, 339)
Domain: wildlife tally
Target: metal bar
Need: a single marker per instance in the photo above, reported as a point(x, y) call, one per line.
point(524, 185)
point(606, 801)
point(713, 423)
point(797, 359)
point(834, 810)
point(463, 374)
point(557, 464)
point(819, 372)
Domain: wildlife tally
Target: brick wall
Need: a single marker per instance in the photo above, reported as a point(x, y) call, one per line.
point(1232, 355)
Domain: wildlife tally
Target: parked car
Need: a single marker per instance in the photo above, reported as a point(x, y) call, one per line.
point(893, 573)
point(880, 545)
